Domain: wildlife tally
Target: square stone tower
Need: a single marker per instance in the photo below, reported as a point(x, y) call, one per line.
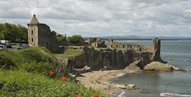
point(39, 34)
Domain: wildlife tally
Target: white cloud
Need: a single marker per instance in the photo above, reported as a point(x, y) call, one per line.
point(103, 17)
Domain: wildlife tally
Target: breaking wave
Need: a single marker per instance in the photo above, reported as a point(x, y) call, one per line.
point(174, 95)
point(122, 93)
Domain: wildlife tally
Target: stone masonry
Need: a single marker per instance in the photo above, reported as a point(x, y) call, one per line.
point(118, 55)
point(39, 34)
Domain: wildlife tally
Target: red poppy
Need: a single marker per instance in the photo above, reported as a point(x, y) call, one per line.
point(64, 78)
point(95, 95)
point(78, 96)
point(51, 73)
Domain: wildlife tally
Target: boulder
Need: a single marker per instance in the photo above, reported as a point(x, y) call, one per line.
point(121, 86)
point(131, 87)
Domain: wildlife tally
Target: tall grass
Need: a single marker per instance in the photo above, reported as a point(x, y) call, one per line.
point(36, 60)
point(20, 83)
point(25, 73)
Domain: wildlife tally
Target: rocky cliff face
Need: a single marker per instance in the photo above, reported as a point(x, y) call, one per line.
point(97, 58)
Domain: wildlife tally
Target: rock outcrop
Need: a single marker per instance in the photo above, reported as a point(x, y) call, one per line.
point(158, 66)
point(134, 67)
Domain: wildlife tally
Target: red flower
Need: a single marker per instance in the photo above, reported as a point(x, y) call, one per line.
point(78, 96)
point(95, 95)
point(51, 73)
point(64, 78)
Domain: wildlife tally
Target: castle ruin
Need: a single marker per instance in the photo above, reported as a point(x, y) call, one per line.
point(39, 34)
point(96, 42)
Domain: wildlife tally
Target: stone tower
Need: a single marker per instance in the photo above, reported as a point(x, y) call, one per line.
point(39, 34)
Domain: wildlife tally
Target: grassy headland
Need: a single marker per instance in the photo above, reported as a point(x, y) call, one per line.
point(27, 73)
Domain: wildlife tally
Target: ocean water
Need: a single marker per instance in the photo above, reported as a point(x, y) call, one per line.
point(171, 84)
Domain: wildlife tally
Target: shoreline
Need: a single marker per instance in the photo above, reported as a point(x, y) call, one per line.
point(99, 80)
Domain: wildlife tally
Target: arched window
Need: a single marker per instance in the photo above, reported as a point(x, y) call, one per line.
point(32, 39)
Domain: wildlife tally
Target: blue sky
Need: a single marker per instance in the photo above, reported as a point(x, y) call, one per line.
point(103, 17)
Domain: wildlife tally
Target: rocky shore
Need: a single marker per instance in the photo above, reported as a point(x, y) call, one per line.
point(119, 58)
point(99, 79)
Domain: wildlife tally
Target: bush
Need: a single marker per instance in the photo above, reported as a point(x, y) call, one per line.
point(5, 61)
point(35, 60)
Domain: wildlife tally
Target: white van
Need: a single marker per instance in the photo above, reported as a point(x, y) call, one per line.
point(4, 42)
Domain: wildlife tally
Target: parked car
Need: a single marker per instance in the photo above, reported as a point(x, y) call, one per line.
point(22, 46)
point(4, 42)
point(2, 47)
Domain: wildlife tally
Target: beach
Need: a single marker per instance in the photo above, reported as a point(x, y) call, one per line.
point(99, 80)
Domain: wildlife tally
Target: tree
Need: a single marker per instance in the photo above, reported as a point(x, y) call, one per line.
point(12, 32)
point(76, 39)
point(61, 39)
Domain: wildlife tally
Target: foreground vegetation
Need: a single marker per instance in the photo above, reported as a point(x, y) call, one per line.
point(34, 72)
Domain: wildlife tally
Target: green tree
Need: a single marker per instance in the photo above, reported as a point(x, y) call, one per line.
point(61, 39)
point(12, 32)
point(76, 39)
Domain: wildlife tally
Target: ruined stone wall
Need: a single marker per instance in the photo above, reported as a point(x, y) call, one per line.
point(44, 36)
point(96, 42)
point(112, 58)
point(116, 58)
point(54, 42)
point(127, 46)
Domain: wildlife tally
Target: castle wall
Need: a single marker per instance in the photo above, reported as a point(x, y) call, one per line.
point(127, 46)
point(118, 58)
point(54, 42)
point(112, 58)
point(44, 36)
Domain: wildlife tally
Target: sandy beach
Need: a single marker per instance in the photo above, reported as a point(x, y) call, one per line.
point(98, 80)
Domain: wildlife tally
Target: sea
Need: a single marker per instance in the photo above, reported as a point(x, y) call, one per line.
point(162, 84)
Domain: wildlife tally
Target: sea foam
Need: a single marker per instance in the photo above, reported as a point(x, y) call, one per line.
point(119, 75)
point(174, 95)
point(122, 93)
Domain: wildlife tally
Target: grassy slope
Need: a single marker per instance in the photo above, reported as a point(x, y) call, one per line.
point(25, 73)
point(71, 52)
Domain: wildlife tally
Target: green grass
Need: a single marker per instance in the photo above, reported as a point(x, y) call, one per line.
point(20, 83)
point(35, 60)
point(73, 52)
point(26, 74)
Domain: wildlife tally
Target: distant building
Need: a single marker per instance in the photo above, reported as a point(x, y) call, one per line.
point(96, 42)
point(39, 34)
